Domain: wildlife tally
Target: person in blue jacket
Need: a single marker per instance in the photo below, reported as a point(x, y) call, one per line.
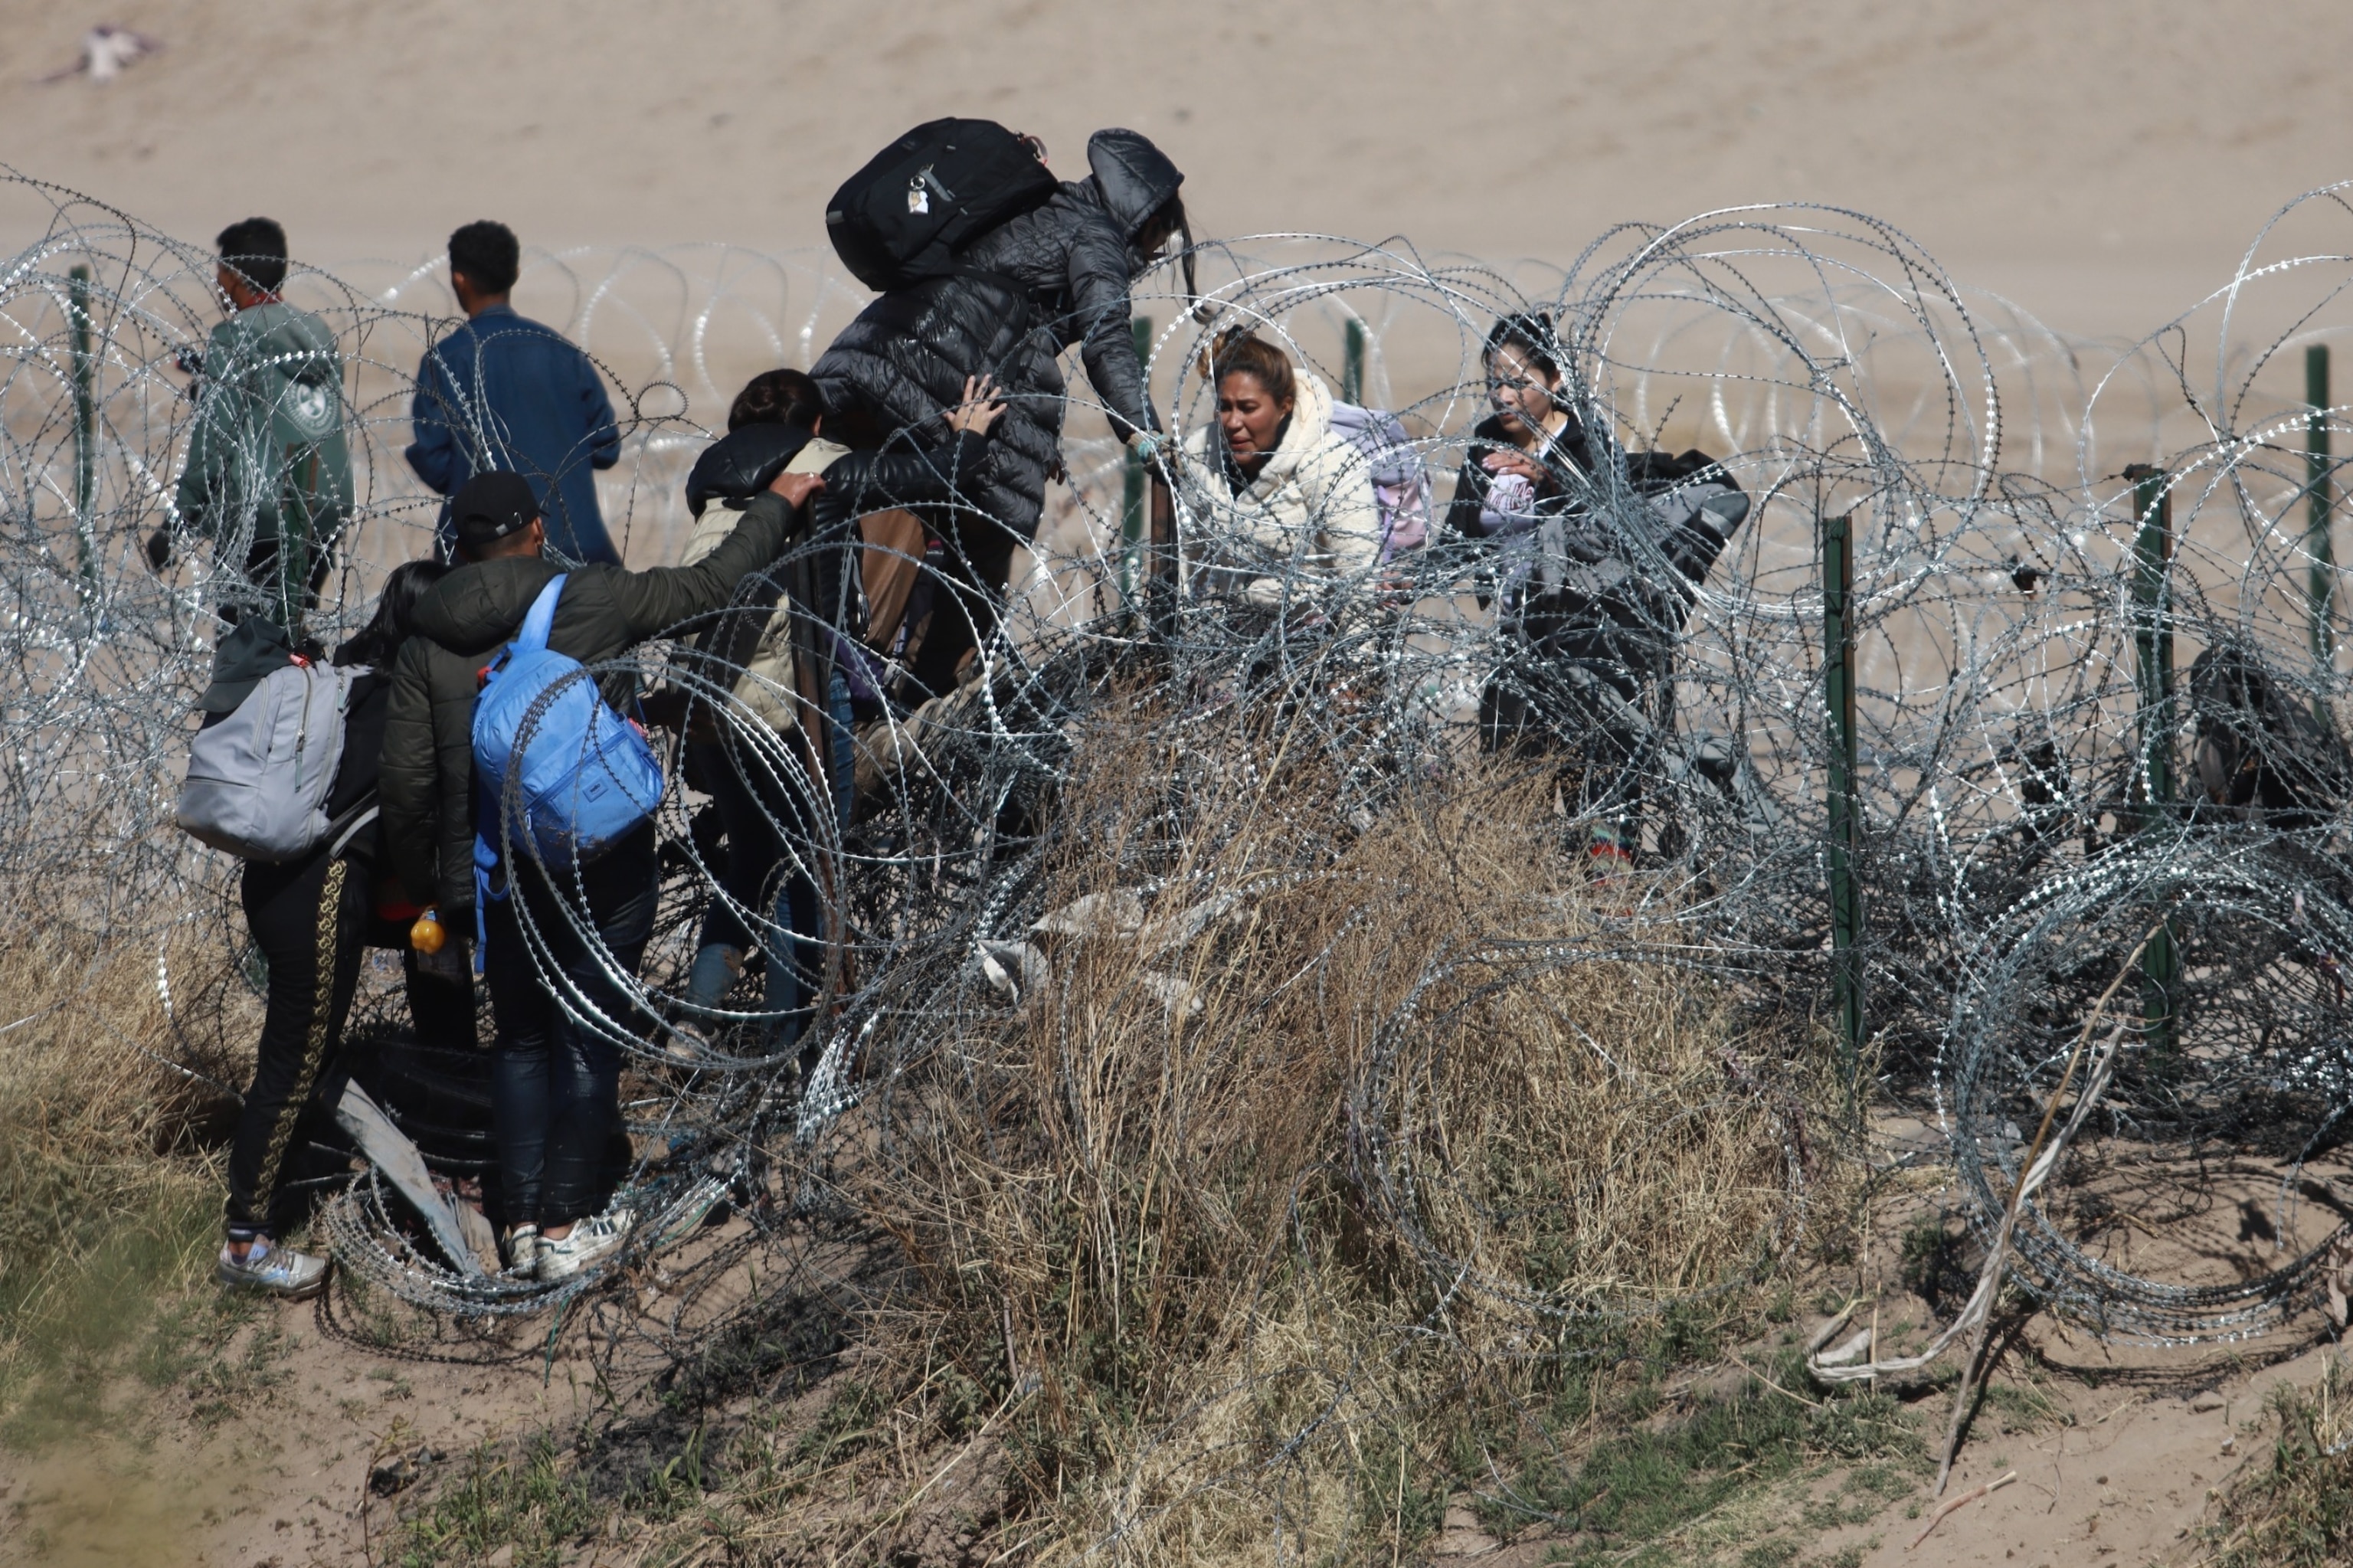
point(503, 393)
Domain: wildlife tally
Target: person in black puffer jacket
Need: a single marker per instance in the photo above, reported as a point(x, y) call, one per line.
point(1057, 275)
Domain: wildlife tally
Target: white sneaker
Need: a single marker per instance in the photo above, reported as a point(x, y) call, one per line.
point(591, 1240)
point(523, 1250)
point(273, 1271)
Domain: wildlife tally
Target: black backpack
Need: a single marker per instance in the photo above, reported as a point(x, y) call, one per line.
point(1694, 504)
point(903, 217)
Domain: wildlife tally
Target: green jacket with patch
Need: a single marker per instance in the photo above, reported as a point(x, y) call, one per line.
point(269, 466)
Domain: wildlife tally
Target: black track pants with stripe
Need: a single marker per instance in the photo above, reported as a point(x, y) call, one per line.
point(308, 919)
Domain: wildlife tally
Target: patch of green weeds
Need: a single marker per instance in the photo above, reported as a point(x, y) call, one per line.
point(526, 1496)
point(2297, 1511)
point(2022, 1406)
point(1933, 1264)
point(115, 1302)
point(1637, 1489)
point(1400, 1501)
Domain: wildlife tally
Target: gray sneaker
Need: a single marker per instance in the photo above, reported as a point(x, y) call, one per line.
point(591, 1240)
point(273, 1271)
point(523, 1250)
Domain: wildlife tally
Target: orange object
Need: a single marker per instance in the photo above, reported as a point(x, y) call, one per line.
point(427, 935)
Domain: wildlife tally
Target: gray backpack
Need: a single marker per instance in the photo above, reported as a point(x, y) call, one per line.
point(258, 781)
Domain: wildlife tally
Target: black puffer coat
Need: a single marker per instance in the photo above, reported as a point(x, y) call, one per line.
point(1053, 277)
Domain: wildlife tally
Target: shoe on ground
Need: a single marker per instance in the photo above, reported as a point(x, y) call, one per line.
point(523, 1250)
point(689, 1045)
point(591, 1241)
point(273, 1271)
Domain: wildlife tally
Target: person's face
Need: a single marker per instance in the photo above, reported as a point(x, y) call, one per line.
point(1521, 392)
point(239, 294)
point(1248, 416)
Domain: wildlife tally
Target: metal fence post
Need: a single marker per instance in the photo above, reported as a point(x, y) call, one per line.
point(1132, 494)
point(1846, 892)
point(1352, 363)
point(85, 420)
point(2160, 963)
point(2321, 585)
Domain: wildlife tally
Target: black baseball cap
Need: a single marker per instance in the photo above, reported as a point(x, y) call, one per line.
point(489, 506)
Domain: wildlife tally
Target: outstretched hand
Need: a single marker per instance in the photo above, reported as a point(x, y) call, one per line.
point(983, 405)
point(797, 488)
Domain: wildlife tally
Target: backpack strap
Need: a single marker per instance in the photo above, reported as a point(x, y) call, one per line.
point(533, 637)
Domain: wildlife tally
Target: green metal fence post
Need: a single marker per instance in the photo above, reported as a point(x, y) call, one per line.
point(1352, 363)
point(1132, 498)
point(2160, 963)
point(1846, 892)
point(2321, 587)
point(85, 420)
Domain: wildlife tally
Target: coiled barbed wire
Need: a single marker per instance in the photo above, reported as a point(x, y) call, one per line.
point(2026, 782)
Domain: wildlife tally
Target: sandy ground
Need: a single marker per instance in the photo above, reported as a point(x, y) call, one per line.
point(2102, 162)
point(286, 1479)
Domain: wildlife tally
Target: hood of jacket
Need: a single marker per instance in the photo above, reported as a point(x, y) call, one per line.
point(1305, 435)
point(741, 463)
point(1133, 176)
point(481, 604)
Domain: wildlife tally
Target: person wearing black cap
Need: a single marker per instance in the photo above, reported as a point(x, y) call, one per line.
point(556, 1084)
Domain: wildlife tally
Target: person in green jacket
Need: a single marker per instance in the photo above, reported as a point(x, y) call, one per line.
point(269, 466)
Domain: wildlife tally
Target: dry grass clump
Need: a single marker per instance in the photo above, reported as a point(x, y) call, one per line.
point(1329, 1133)
point(2296, 1510)
point(107, 1202)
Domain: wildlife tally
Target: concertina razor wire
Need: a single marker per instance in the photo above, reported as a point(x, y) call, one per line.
point(2030, 788)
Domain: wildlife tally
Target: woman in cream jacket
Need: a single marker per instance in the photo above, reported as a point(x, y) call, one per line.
point(1274, 492)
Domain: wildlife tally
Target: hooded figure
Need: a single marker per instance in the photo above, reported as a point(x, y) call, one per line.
point(1058, 274)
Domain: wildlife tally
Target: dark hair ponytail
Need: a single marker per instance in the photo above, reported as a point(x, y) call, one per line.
point(777, 397)
point(378, 643)
point(1240, 353)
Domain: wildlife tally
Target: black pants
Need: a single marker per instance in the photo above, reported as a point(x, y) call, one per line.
point(966, 597)
point(441, 1010)
point(1592, 688)
point(555, 1088)
point(308, 919)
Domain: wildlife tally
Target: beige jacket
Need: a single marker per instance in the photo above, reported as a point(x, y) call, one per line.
point(1311, 509)
point(765, 687)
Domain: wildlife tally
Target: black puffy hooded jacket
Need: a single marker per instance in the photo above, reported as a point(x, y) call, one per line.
point(1056, 275)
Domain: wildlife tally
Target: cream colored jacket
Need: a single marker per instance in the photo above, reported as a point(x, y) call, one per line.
point(1311, 510)
point(766, 686)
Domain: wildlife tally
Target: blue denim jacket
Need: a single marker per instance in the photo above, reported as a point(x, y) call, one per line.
point(504, 392)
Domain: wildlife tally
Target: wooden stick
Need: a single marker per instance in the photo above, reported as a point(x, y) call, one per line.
point(1994, 1260)
point(1769, 1382)
point(1943, 1509)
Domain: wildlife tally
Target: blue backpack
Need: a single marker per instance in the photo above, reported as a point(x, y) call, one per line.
point(590, 776)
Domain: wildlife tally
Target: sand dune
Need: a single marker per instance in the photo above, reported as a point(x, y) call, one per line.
point(2103, 163)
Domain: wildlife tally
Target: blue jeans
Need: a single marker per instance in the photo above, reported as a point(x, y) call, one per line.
point(555, 1084)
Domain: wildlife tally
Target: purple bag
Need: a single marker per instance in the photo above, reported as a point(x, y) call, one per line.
point(1401, 487)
